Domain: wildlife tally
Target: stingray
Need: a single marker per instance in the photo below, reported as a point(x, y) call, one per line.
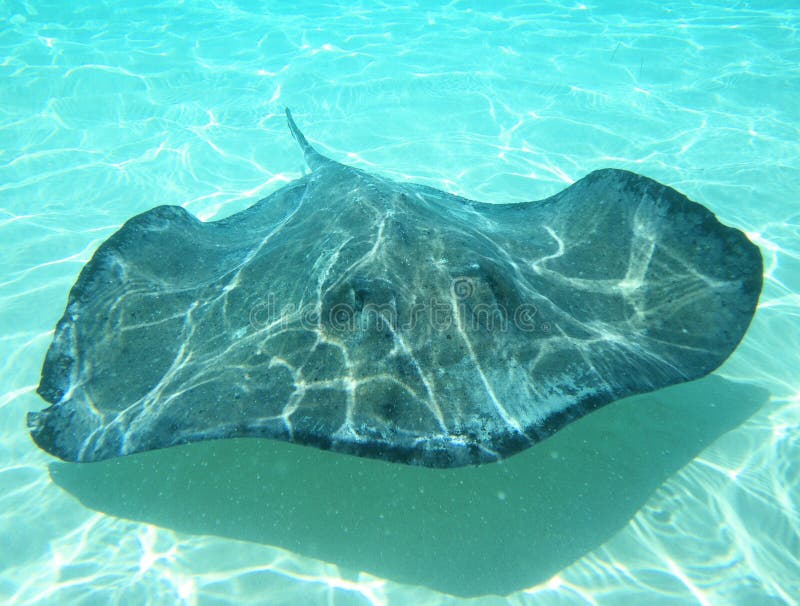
point(391, 320)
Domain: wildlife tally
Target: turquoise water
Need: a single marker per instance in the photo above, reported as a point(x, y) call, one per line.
point(689, 496)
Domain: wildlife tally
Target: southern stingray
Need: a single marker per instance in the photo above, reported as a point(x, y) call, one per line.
point(391, 320)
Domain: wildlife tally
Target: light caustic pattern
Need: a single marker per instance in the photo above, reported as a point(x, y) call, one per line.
point(385, 348)
point(112, 109)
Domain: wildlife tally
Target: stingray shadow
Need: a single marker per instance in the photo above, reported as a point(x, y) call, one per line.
point(492, 529)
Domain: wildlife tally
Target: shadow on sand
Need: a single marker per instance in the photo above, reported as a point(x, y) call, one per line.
point(494, 529)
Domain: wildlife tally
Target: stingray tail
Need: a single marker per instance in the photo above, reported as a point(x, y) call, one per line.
point(314, 159)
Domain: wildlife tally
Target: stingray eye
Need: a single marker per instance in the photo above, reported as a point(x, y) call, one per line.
point(360, 296)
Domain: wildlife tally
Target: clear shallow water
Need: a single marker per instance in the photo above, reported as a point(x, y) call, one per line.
point(106, 111)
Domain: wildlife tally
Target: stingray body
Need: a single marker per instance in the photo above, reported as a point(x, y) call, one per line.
point(391, 320)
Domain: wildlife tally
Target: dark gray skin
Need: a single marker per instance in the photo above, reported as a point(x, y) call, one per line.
point(391, 320)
